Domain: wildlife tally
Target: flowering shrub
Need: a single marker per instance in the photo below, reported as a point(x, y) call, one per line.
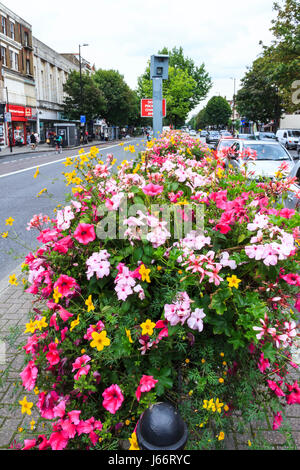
point(201, 318)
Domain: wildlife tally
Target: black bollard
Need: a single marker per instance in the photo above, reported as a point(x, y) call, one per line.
point(161, 428)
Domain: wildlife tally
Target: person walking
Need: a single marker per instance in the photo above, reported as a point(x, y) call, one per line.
point(33, 141)
point(58, 143)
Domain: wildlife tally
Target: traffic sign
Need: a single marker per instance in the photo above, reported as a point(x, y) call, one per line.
point(147, 107)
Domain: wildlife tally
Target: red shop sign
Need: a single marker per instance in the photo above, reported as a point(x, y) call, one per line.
point(19, 112)
point(147, 107)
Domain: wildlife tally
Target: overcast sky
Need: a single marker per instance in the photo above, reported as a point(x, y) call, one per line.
point(123, 34)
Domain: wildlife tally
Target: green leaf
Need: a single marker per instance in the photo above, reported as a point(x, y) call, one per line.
point(218, 300)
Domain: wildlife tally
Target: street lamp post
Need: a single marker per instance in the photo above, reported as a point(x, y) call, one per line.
point(81, 84)
point(234, 93)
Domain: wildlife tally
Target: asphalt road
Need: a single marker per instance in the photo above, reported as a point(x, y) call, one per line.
point(18, 196)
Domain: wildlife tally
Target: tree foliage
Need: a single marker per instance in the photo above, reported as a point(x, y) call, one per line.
point(217, 111)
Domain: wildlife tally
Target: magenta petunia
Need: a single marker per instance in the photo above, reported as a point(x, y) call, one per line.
point(113, 399)
point(85, 234)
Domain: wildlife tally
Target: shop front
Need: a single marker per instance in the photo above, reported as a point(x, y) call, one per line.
point(19, 127)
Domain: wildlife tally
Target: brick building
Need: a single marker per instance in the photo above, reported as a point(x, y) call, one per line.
point(17, 86)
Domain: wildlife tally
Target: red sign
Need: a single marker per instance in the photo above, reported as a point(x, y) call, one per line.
point(147, 108)
point(19, 112)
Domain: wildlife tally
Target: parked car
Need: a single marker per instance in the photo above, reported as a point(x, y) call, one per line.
point(247, 136)
point(298, 149)
point(212, 137)
point(288, 137)
point(203, 133)
point(225, 134)
point(266, 135)
point(193, 133)
point(269, 156)
point(292, 201)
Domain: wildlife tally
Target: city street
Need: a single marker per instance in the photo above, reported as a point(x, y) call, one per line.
point(18, 194)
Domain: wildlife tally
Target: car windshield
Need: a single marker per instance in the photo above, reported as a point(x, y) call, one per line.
point(294, 133)
point(225, 144)
point(268, 135)
point(268, 152)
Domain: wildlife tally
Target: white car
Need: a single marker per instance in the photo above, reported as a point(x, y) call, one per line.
point(269, 157)
point(192, 133)
point(288, 137)
point(292, 201)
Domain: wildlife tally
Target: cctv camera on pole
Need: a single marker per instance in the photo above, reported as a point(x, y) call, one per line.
point(159, 71)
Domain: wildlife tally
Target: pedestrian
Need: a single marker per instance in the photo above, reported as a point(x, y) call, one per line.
point(37, 138)
point(33, 141)
point(58, 143)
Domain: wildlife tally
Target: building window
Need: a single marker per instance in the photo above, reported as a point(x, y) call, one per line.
point(3, 21)
point(12, 31)
point(16, 64)
point(3, 55)
point(26, 39)
point(28, 67)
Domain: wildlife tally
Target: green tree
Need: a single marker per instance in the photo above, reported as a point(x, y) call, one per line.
point(121, 100)
point(201, 119)
point(218, 111)
point(93, 99)
point(259, 99)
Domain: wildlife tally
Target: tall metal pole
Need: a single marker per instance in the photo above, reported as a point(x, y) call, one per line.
point(157, 107)
point(81, 88)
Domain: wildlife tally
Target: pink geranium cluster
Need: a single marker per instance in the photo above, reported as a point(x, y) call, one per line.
point(98, 264)
point(205, 265)
point(126, 283)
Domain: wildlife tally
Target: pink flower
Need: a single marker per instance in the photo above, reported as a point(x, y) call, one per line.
point(65, 285)
point(152, 189)
point(294, 397)
point(113, 399)
point(147, 382)
point(85, 234)
point(276, 389)
point(263, 363)
point(287, 213)
point(58, 440)
point(29, 376)
point(195, 321)
point(29, 444)
point(277, 421)
point(292, 279)
point(53, 356)
point(81, 366)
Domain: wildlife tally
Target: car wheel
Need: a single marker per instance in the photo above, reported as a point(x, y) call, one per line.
point(287, 146)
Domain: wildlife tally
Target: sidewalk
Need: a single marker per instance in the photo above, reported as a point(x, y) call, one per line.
point(14, 309)
point(47, 148)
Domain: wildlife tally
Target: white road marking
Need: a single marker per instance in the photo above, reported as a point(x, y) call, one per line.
point(56, 161)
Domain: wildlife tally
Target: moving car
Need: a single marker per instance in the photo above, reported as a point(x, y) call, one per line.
point(269, 156)
point(212, 137)
point(247, 136)
point(266, 135)
point(288, 137)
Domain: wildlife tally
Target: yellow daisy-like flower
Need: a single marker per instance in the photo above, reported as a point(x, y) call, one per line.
point(145, 273)
point(4, 234)
point(100, 340)
point(9, 221)
point(221, 436)
point(74, 323)
point(233, 281)
point(30, 327)
point(68, 162)
point(133, 442)
point(56, 295)
point(89, 304)
point(221, 381)
point(147, 327)
point(13, 280)
point(26, 406)
point(128, 334)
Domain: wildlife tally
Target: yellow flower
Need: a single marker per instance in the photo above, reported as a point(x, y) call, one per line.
point(74, 323)
point(82, 351)
point(218, 405)
point(56, 295)
point(9, 221)
point(89, 304)
point(32, 423)
point(233, 281)
point(26, 406)
point(36, 391)
point(187, 361)
point(30, 327)
point(147, 327)
point(221, 436)
point(68, 162)
point(41, 324)
point(133, 442)
point(100, 340)
point(226, 408)
point(249, 443)
point(37, 173)
point(13, 280)
point(221, 380)
point(127, 422)
point(41, 192)
point(20, 429)
point(4, 234)
point(203, 361)
point(128, 334)
point(145, 273)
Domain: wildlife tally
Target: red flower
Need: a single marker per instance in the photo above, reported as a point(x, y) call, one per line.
point(113, 399)
point(85, 233)
point(147, 382)
point(65, 285)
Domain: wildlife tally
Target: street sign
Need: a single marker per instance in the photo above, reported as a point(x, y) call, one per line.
point(82, 119)
point(147, 107)
point(7, 117)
